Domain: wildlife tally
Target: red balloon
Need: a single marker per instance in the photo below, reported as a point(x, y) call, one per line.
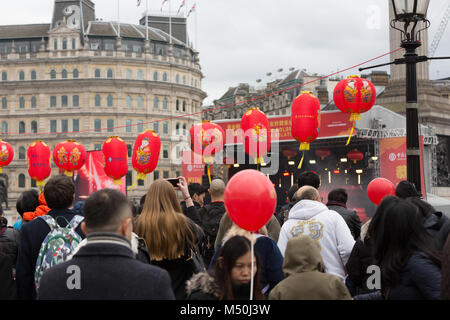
point(39, 162)
point(305, 119)
point(70, 156)
point(256, 129)
point(250, 199)
point(380, 188)
point(146, 153)
point(116, 158)
point(6, 154)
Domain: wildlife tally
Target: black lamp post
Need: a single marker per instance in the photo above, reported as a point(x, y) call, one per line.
point(410, 13)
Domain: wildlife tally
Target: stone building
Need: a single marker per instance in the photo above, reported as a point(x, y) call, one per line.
point(84, 79)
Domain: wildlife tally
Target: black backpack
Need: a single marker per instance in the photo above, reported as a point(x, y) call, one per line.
point(210, 218)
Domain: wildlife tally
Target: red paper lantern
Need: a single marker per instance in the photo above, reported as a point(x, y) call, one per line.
point(70, 156)
point(354, 96)
point(206, 139)
point(256, 129)
point(115, 154)
point(288, 152)
point(378, 189)
point(323, 153)
point(146, 153)
point(6, 154)
point(305, 120)
point(39, 169)
point(355, 155)
point(250, 199)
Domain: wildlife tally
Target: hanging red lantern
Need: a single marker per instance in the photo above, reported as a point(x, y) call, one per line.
point(323, 153)
point(355, 155)
point(39, 155)
point(354, 96)
point(70, 156)
point(256, 129)
point(288, 152)
point(305, 120)
point(115, 154)
point(146, 153)
point(206, 140)
point(6, 154)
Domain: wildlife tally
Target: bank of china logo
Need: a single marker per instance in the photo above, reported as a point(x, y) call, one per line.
point(189, 168)
point(392, 157)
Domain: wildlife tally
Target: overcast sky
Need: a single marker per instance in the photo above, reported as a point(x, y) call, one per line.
point(242, 40)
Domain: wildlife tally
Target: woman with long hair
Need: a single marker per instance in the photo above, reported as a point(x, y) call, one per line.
point(407, 256)
point(231, 278)
point(170, 236)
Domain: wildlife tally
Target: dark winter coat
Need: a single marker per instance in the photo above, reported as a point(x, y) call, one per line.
point(350, 216)
point(210, 216)
point(9, 244)
point(438, 227)
point(192, 212)
point(32, 234)
point(283, 214)
point(107, 271)
point(420, 279)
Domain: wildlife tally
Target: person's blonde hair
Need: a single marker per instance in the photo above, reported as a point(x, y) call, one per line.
point(162, 225)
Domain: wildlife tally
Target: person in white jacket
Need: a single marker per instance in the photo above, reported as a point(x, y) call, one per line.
point(311, 217)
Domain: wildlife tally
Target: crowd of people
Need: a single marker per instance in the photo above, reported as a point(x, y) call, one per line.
point(180, 243)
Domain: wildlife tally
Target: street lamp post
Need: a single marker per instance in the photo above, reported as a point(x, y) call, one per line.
point(410, 13)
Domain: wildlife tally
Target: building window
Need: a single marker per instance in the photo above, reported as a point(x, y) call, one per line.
point(156, 103)
point(155, 76)
point(97, 125)
point(140, 126)
point(75, 125)
point(184, 106)
point(129, 178)
point(53, 101)
point(76, 101)
point(184, 129)
point(64, 101)
point(33, 183)
point(177, 154)
point(140, 75)
point(4, 76)
point(141, 182)
point(64, 44)
point(4, 127)
point(184, 79)
point(139, 102)
point(21, 75)
point(98, 100)
point(33, 102)
point(53, 74)
point(165, 104)
point(110, 124)
point(33, 127)
point(165, 174)
point(21, 127)
point(75, 73)
point(53, 126)
point(177, 128)
point(166, 127)
point(130, 150)
point(156, 127)
point(33, 75)
point(21, 181)
point(4, 103)
point(110, 100)
point(64, 74)
point(97, 73)
point(64, 125)
point(22, 153)
point(55, 44)
point(128, 101)
point(97, 147)
point(155, 175)
point(164, 77)
point(109, 73)
point(21, 102)
point(178, 105)
point(74, 44)
point(128, 74)
point(128, 125)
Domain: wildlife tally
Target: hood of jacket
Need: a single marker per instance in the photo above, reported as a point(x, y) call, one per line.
point(237, 231)
point(203, 282)
point(302, 255)
point(435, 221)
point(307, 209)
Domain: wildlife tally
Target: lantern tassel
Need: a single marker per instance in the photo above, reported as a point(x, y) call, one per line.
point(140, 176)
point(351, 134)
point(1, 169)
point(301, 161)
point(40, 183)
point(68, 173)
point(209, 173)
point(304, 146)
point(117, 182)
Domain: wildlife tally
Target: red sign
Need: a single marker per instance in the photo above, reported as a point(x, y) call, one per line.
point(393, 160)
point(192, 167)
point(333, 124)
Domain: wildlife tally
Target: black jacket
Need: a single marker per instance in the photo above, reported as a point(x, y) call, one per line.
point(438, 227)
point(420, 279)
point(350, 217)
point(191, 212)
point(107, 271)
point(32, 235)
point(360, 259)
point(210, 216)
point(9, 243)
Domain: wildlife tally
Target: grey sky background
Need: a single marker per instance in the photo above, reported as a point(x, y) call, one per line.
point(242, 40)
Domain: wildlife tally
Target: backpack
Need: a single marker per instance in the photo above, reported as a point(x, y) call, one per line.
point(57, 245)
point(210, 224)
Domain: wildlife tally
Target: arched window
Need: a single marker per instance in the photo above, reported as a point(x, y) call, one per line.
point(4, 127)
point(164, 77)
point(22, 153)
point(109, 73)
point(140, 102)
point(75, 73)
point(177, 128)
point(21, 127)
point(110, 100)
point(64, 44)
point(21, 102)
point(97, 73)
point(184, 129)
point(4, 76)
point(53, 74)
point(128, 74)
point(155, 76)
point(156, 103)
point(64, 74)
point(128, 101)
point(33, 127)
point(98, 100)
point(21, 75)
point(165, 104)
point(33, 75)
point(33, 102)
point(177, 106)
point(21, 181)
point(184, 106)
point(140, 75)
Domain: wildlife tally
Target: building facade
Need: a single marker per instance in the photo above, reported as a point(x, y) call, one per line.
point(83, 79)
